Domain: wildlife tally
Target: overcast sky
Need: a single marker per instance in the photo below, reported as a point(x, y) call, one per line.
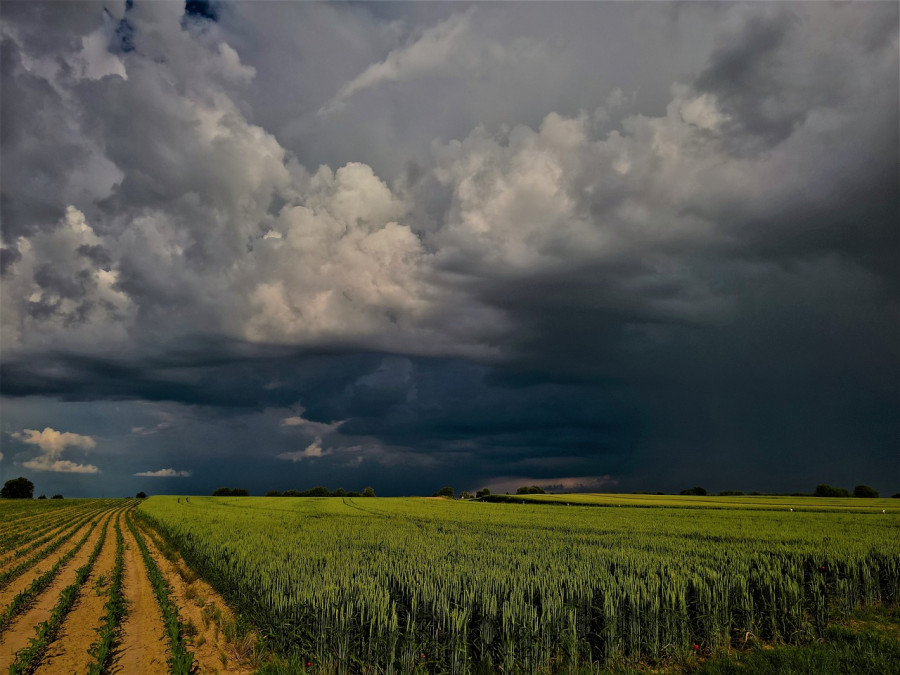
point(596, 246)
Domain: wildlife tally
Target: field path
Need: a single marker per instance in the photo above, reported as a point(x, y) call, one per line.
point(143, 647)
point(20, 632)
point(69, 652)
point(193, 595)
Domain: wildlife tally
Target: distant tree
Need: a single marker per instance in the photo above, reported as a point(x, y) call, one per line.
point(445, 491)
point(43, 497)
point(340, 492)
point(465, 495)
point(141, 495)
point(865, 491)
point(368, 492)
point(318, 491)
point(353, 493)
point(484, 492)
point(696, 490)
point(530, 490)
point(273, 493)
point(222, 492)
point(825, 490)
point(239, 492)
point(896, 495)
point(731, 493)
point(292, 493)
point(17, 488)
point(56, 497)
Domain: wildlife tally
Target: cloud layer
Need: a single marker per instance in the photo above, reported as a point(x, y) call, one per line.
point(471, 239)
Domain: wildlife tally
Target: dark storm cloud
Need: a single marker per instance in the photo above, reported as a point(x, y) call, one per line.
point(599, 244)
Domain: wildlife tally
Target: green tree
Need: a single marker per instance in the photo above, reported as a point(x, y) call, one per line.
point(273, 493)
point(141, 495)
point(17, 488)
point(445, 491)
point(43, 497)
point(222, 492)
point(318, 491)
point(56, 497)
point(696, 490)
point(239, 492)
point(484, 492)
point(825, 490)
point(368, 492)
point(865, 491)
point(292, 493)
point(340, 492)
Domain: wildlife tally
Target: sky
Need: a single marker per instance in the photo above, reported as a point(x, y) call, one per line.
point(588, 246)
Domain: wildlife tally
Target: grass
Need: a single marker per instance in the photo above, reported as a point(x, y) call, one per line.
point(750, 502)
point(871, 649)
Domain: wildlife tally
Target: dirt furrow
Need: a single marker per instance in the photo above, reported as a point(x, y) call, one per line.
point(208, 620)
point(17, 585)
point(143, 647)
point(22, 552)
point(69, 652)
point(20, 632)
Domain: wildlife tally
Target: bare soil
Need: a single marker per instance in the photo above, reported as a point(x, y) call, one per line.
point(143, 647)
point(202, 608)
point(22, 629)
point(69, 653)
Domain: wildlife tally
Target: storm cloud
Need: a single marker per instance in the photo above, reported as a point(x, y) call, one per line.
point(620, 246)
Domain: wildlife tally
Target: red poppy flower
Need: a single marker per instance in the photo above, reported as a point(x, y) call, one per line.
point(309, 664)
point(696, 647)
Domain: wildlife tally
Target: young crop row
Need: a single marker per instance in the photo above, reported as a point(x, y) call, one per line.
point(115, 611)
point(25, 597)
point(16, 571)
point(181, 661)
point(406, 585)
point(23, 529)
point(28, 659)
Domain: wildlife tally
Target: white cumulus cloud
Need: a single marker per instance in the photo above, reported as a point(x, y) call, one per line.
point(51, 443)
point(164, 473)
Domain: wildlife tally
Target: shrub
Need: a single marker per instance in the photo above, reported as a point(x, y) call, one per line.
point(292, 493)
point(56, 497)
point(141, 495)
point(18, 488)
point(43, 497)
point(222, 492)
point(696, 490)
point(273, 493)
point(484, 492)
point(731, 493)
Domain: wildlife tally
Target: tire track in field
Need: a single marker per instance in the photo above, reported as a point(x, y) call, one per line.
point(21, 630)
point(192, 595)
point(69, 652)
point(143, 647)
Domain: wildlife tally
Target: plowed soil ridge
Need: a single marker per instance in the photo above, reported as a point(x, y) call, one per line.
point(204, 610)
point(19, 633)
point(69, 653)
point(143, 647)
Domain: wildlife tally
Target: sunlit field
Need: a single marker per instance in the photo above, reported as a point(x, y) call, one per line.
point(432, 585)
